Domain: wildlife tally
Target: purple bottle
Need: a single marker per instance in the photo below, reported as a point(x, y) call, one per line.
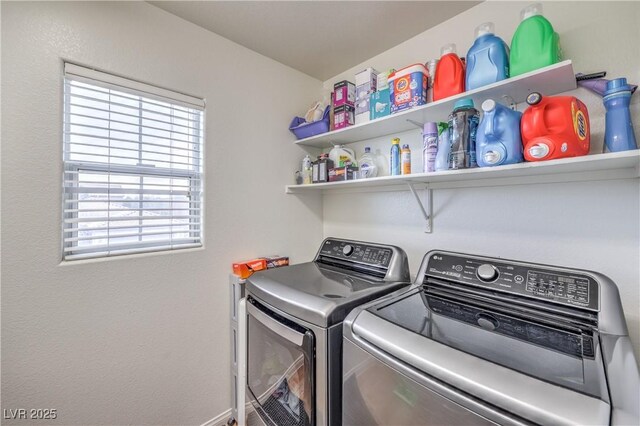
point(429, 147)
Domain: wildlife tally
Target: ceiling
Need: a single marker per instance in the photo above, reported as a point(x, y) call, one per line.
point(319, 38)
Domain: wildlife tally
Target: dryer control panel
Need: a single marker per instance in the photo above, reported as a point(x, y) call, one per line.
point(355, 252)
point(566, 287)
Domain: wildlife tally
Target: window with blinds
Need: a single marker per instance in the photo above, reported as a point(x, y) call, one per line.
point(132, 166)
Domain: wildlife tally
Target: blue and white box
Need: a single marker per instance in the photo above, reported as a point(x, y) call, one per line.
point(380, 104)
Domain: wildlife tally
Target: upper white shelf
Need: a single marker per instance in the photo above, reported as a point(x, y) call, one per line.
point(550, 80)
point(615, 165)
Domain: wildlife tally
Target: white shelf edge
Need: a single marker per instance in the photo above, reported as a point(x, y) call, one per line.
point(324, 139)
point(617, 165)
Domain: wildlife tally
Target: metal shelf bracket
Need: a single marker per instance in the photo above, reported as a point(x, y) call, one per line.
point(427, 212)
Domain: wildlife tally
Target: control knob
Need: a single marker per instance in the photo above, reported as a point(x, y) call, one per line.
point(487, 272)
point(347, 250)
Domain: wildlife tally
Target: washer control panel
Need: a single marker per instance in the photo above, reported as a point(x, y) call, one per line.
point(357, 252)
point(560, 286)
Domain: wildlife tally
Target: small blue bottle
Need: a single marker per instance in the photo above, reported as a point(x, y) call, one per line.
point(498, 138)
point(394, 158)
point(618, 133)
point(487, 59)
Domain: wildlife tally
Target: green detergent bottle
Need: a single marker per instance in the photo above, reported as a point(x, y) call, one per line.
point(535, 44)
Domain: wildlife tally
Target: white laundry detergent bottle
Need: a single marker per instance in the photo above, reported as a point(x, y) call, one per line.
point(342, 156)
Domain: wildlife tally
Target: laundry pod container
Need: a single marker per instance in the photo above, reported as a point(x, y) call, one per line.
point(408, 87)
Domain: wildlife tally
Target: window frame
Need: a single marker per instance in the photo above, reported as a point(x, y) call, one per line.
point(142, 171)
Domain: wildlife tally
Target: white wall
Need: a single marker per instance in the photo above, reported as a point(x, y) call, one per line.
point(141, 339)
point(592, 225)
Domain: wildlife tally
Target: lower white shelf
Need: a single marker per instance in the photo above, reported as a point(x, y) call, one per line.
point(616, 165)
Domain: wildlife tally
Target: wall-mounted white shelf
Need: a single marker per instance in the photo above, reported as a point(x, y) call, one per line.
point(616, 165)
point(550, 80)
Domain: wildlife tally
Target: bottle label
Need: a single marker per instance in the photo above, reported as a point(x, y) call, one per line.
point(429, 153)
point(322, 172)
point(463, 140)
point(394, 166)
point(365, 170)
point(406, 162)
point(579, 122)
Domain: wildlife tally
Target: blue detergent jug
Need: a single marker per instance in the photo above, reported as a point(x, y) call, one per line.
point(487, 59)
point(618, 133)
point(498, 136)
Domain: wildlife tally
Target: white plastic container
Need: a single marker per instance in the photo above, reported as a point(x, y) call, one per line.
point(342, 156)
point(368, 166)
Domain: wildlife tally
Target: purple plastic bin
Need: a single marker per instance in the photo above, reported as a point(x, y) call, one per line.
point(307, 130)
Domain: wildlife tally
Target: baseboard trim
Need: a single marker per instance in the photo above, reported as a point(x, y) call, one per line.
point(219, 420)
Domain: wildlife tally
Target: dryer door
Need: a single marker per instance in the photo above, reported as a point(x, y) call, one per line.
point(280, 367)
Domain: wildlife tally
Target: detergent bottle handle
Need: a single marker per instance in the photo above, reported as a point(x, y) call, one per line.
point(489, 108)
point(538, 118)
point(490, 117)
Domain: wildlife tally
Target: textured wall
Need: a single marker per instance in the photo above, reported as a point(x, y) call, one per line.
point(591, 225)
point(141, 339)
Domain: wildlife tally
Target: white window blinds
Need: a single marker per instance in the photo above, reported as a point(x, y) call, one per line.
point(132, 166)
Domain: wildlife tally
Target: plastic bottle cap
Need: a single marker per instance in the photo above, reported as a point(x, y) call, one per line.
point(534, 98)
point(430, 127)
point(367, 149)
point(486, 28)
point(617, 85)
point(448, 48)
point(492, 157)
point(395, 141)
point(488, 105)
point(463, 103)
point(531, 10)
point(405, 146)
point(538, 150)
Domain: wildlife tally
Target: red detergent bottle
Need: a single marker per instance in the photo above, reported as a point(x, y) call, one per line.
point(554, 127)
point(449, 78)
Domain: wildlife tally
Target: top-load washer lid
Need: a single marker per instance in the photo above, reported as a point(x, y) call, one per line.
point(344, 274)
point(526, 338)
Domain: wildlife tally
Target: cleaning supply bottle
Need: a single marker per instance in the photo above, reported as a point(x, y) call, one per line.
point(368, 166)
point(554, 127)
point(487, 59)
point(306, 170)
point(463, 123)
point(444, 147)
point(534, 44)
point(449, 78)
point(498, 139)
point(429, 147)
point(618, 134)
point(405, 159)
point(342, 156)
point(394, 157)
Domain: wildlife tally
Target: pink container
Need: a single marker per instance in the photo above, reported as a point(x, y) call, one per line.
point(345, 93)
point(344, 116)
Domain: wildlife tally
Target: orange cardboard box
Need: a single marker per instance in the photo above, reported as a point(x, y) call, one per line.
point(245, 269)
